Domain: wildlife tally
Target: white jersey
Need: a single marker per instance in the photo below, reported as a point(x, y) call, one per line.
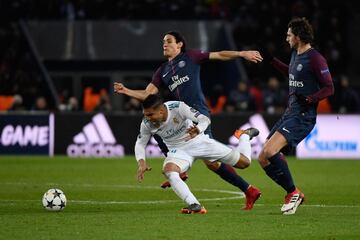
point(173, 131)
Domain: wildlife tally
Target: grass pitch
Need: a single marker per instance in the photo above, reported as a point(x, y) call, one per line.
point(106, 202)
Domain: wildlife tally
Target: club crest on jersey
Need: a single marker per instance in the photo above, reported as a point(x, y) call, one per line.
point(181, 64)
point(175, 120)
point(193, 110)
point(299, 67)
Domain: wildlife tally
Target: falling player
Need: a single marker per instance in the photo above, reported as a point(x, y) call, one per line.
point(174, 122)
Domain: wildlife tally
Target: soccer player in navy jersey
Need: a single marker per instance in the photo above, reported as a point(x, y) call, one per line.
point(181, 75)
point(309, 82)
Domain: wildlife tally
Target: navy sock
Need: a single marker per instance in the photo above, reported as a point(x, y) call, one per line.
point(278, 170)
point(228, 173)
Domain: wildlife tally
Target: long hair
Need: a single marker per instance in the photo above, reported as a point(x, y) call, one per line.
point(301, 27)
point(178, 38)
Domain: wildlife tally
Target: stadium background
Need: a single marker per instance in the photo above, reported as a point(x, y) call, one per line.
point(58, 60)
point(63, 57)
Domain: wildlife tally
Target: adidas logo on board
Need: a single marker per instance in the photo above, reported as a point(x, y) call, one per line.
point(95, 140)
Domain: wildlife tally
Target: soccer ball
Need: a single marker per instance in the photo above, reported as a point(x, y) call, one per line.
point(54, 200)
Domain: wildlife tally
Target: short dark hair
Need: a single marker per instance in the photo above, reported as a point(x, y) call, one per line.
point(152, 101)
point(178, 38)
point(301, 27)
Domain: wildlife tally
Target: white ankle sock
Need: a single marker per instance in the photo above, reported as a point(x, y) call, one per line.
point(244, 146)
point(181, 188)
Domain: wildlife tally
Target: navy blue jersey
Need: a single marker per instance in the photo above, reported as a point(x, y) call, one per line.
point(182, 77)
point(309, 76)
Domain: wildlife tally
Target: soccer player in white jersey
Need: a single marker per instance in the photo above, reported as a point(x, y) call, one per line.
point(182, 129)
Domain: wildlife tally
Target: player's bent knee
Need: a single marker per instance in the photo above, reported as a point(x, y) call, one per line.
point(262, 158)
point(232, 158)
point(213, 166)
point(243, 162)
point(176, 165)
point(264, 155)
point(267, 152)
point(170, 167)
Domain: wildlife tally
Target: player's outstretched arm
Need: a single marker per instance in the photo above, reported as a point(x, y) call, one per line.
point(252, 56)
point(138, 94)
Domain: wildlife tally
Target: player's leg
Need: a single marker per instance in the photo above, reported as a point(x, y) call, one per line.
point(241, 158)
point(244, 146)
point(252, 193)
point(172, 169)
point(227, 172)
point(228, 157)
point(184, 176)
point(275, 165)
point(164, 149)
point(223, 170)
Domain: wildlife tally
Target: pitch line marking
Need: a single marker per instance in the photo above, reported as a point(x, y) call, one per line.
point(238, 194)
point(15, 201)
point(57, 185)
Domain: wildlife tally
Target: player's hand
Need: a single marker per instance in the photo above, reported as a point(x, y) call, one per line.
point(119, 87)
point(303, 100)
point(142, 168)
point(193, 131)
point(252, 56)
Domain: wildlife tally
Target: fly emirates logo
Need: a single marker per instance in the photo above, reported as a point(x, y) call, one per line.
point(294, 83)
point(178, 81)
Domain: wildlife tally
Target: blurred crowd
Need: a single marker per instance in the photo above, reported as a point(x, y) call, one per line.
point(256, 24)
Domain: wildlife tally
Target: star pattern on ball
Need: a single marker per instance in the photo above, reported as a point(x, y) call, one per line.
point(62, 205)
point(57, 194)
point(54, 200)
point(50, 204)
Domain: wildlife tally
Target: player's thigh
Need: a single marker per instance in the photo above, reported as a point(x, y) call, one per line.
point(180, 158)
point(274, 144)
point(209, 149)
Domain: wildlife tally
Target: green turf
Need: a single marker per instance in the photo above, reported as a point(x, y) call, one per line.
point(106, 202)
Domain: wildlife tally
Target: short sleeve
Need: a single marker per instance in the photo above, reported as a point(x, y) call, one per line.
point(198, 56)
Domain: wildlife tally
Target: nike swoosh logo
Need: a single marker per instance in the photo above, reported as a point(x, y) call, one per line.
point(285, 130)
point(165, 74)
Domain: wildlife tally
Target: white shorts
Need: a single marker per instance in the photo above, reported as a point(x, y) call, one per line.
point(202, 147)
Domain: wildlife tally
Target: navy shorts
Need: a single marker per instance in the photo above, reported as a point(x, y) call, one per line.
point(294, 128)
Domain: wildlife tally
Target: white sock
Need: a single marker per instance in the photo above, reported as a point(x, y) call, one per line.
point(244, 146)
point(181, 188)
